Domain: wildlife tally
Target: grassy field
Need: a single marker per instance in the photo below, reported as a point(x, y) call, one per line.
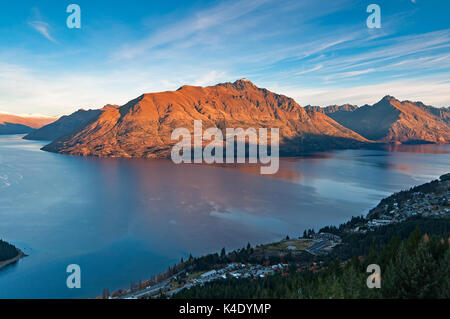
point(288, 245)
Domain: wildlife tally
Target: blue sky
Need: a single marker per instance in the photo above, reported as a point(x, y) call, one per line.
point(318, 52)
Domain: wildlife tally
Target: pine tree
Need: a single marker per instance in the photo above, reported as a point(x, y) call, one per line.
point(444, 271)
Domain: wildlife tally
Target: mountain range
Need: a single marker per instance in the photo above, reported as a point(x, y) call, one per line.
point(393, 121)
point(14, 124)
point(143, 126)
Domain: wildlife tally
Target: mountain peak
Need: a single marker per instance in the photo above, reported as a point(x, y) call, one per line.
point(110, 106)
point(239, 84)
point(388, 98)
point(243, 84)
point(394, 121)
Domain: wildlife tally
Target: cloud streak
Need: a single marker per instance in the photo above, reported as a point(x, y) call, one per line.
point(420, 89)
point(202, 20)
point(43, 28)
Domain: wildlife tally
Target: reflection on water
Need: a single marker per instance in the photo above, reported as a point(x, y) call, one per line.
point(284, 173)
point(422, 148)
point(123, 219)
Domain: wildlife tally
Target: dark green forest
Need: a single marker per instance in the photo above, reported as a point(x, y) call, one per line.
point(7, 251)
point(352, 244)
point(360, 244)
point(414, 258)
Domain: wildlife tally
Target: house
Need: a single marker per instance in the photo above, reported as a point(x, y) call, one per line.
point(208, 274)
point(327, 236)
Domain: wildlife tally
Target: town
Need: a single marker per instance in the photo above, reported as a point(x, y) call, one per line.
point(428, 200)
point(315, 245)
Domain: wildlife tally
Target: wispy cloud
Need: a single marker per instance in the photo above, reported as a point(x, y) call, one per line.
point(351, 73)
point(202, 20)
point(373, 61)
point(211, 77)
point(63, 93)
point(426, 89)
point(316, 68)
point(236, 22)
point(43, 28)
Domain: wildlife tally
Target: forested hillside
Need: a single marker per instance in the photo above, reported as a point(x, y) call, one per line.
point(414, 266)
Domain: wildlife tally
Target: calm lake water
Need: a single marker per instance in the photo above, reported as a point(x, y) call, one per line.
point(122, 220)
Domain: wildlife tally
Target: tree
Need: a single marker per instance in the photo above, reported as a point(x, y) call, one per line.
point(416, 271)
point(7, 251)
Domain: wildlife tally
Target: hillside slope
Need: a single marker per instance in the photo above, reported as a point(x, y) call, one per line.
point(65, 124)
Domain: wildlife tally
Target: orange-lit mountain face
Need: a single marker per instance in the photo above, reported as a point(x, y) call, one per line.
point(392, 121)
point(13, 124)
point(143, 126)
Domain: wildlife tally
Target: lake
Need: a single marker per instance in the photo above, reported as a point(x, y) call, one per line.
point(123, 220)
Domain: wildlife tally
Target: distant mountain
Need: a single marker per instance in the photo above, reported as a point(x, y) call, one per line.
point(143, 126)
point(12, 128)
point(13, 124)
point(332, 108)
point(65, 124)
point(393, 121)
point(441, 112)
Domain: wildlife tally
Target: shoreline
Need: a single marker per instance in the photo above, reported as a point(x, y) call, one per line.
point(6, 263)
